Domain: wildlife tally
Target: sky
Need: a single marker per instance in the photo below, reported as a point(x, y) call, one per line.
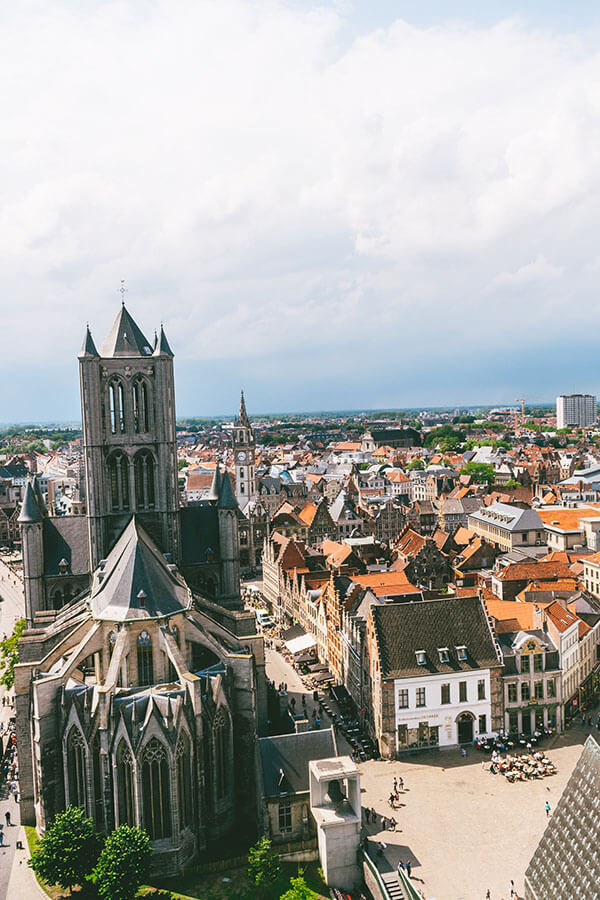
point(332, 205)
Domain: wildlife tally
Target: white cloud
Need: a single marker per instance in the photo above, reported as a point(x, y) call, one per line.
point(538, 270)
point(263, 187)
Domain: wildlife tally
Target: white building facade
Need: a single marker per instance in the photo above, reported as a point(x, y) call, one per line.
point(576, 409)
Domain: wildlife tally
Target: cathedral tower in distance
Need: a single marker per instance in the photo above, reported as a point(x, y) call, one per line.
point(244, 451)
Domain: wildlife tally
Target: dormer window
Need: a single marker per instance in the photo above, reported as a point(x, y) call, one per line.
point(461, 652)
point(63, 566)
point(421, 657)
point(444, 654)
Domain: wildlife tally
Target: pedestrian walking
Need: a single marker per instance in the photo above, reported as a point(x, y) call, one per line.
point(408, 868)
point(383, 823)
point(401, 783)
point(373, 816)
point(513, 893)
point(391, 800)
point(487, 894)
point(7, 817)
point(393, 824)
point(547, 808)
point(368, 815)
point(1, 839)
point(395, 785)
point(399, 866)
point(381, 848)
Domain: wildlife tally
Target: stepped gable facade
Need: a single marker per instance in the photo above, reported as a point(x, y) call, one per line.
point(140, 690)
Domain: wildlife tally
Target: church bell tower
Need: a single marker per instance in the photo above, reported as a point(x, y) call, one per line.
point(129, 438)
point(244, 452)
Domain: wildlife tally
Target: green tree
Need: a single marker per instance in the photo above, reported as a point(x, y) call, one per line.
point(263, 863)
point(446, 437)
point(182, 464)
point(124, 863)
point(482, 473)
point(9, 654)
point(416, 464)
point(299, 890)
point(68, 849)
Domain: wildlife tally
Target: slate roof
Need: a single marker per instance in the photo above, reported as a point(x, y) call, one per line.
point(199, 534)
point(125, 339)
point(403, 628)
point(133, 566)
point(66, 537)
point(88, 347)
point(511, 518)
point(289, 755)
point(162, 345)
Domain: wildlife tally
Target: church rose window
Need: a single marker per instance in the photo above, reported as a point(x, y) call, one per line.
point(119, 482)
point(76, 768)
point(144, 659)
point(156, 791)
point(125, 785)
point(184, 780)
point(143, 467)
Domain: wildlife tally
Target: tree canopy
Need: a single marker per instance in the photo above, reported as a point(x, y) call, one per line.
point(9, 654)
point(299, 890)
point(263, 863)
point(68, 849)
point(124, 863)
point(482, 473)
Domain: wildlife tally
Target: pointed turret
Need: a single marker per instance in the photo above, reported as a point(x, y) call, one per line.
point(88, 348)
point(162, 345)
point(30, 511)
point(215, 488)
point(243, 419)
point(226, 496)
point(125, 338)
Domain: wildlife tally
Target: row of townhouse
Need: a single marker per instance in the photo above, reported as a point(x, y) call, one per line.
point(442, 672)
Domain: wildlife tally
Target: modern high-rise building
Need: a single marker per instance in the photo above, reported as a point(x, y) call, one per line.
point(576, 409)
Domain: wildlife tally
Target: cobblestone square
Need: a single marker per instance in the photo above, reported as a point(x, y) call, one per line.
point(463, 829)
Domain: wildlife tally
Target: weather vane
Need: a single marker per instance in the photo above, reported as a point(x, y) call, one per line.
point(122, 291)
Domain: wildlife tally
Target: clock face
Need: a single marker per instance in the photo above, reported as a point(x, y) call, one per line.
point(241, 456)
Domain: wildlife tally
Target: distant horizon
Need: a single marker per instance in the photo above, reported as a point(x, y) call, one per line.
point(406, 411)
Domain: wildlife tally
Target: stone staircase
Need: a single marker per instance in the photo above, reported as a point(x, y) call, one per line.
point(394, 891)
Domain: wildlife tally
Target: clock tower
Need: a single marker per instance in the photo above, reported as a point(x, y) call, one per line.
point(244, 447)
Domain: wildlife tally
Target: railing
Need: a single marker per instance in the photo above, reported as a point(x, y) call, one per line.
point(409, 891)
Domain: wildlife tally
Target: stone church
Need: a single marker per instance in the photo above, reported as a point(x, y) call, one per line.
point(140, 690)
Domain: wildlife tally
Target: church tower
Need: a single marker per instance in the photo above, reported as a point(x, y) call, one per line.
point(129, 439)
point(244, 451)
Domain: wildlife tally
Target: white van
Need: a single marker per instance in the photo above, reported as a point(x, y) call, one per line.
point(264, 619)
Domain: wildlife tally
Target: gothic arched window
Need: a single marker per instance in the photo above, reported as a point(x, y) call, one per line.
point(76, 768)
point(57, 598)
point(143, 469)
point(116, 405)
point(156, 791)
point(118, 467)
point(98, 782)
point(144, 659)
point(184, 780)
point(141, 417)
point(221, 745)
point(125, 789)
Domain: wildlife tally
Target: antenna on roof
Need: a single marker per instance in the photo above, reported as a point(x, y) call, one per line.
point(122, 291)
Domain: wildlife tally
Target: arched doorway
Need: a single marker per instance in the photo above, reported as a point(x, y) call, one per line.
point(465, 728)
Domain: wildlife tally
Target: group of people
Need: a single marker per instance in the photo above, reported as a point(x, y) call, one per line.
point(523, 767)
point(386, 824)
point(395, 792)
